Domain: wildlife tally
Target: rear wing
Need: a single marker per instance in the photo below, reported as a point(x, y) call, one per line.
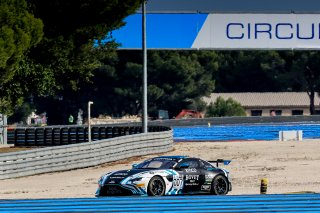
point(225, 162)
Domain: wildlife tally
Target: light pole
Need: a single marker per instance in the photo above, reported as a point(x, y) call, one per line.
point(144, 85)
point(89, 121)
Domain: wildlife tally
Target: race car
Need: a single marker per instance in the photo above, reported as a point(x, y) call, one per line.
point(167, 175)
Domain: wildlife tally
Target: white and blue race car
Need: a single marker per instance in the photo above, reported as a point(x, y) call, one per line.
point(167, 175)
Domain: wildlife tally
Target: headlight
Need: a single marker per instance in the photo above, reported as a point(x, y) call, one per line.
point(103, 178)
point(170, 178)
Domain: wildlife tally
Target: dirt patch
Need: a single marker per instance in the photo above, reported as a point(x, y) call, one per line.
point(14, 149)
point(290, 167)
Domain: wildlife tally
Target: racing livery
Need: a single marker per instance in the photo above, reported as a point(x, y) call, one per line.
point(167, 175)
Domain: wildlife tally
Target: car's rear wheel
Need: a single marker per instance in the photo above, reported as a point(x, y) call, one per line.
point(156, 187)
point(219, 185)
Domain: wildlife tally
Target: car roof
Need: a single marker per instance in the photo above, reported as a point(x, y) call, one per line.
point(173, 157)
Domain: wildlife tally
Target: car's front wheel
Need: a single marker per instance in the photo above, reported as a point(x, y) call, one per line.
point(219, 185)
point(156, 187)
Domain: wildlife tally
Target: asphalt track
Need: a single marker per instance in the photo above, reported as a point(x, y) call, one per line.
point(204, 203)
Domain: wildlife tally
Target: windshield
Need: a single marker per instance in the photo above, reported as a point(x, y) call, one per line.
point(156, 164)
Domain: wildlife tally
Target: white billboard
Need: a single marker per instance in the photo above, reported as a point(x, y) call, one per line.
point(259, 31)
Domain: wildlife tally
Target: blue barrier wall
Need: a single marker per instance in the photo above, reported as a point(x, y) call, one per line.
point(243, 132)
point(234, 204)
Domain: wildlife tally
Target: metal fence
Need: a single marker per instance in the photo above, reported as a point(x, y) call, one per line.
point(63, 135)
point(74, 156)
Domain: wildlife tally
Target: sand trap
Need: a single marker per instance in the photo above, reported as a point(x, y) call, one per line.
point(289, 166)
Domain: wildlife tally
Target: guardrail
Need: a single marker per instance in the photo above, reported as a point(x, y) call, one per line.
point(75, 156)
point(236, 120)
point(63, 135)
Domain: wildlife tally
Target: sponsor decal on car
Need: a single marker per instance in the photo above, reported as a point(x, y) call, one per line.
point(192, 184)
point(192, 177)
point(116, 177)
point(113, 190)
point(123, 174)
point(177, 182)
point(170, 159)
point(206, 187)
point(191, 170)
point(209, 176)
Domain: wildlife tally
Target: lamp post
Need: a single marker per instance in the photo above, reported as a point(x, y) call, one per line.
point(89, 121)
point(144, 84)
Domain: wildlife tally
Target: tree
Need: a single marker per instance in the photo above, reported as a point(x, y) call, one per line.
point(71, 30)
point(251, 71)
point(179, 78)
point(306, 72)
point(19, 31)
point(221, 108)
point(71, 48)
point(176, 80)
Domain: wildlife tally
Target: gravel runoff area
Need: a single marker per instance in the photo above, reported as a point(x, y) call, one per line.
point(290, 167)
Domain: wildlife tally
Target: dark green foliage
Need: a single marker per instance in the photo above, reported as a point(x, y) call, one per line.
point(68, 49)
point(19, 31)
point(251, 71)
point(176, 80)
point(66, 69)
point(180, 78)
point(70, 30)
point(21, 113)
point(84, 20)
point(28, 79)
point(198, 105)
point(306, 73)
point(66, 56)
point(221, 108)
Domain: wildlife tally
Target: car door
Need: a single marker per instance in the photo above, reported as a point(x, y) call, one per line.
point(207, 175)
point(192, 175)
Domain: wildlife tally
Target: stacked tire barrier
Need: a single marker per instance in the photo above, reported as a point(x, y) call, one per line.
point(63, 135)
point(75, 156)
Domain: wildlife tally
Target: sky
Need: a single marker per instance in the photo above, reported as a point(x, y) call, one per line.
point(174, 24)
point(165, 31)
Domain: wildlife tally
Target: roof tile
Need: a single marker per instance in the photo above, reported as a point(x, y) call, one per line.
point(266, 99)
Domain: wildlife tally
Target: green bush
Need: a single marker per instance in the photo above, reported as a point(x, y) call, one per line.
point(221, 108)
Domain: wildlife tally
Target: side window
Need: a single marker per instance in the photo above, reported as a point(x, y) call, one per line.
point(256, 112)
point(192, 163)
point(297, 112)
point(275, 112)
point(206, 165)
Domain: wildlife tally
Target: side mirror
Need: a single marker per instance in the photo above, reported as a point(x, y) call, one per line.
point(184, 166)
point(134, 165)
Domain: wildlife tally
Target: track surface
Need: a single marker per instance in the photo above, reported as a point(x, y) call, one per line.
point(227, 204)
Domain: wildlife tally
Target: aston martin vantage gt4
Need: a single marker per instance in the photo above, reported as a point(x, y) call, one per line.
point(167, 175)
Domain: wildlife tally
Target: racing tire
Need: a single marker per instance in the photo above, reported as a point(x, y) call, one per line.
point(219, 185)
point(156, 186)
